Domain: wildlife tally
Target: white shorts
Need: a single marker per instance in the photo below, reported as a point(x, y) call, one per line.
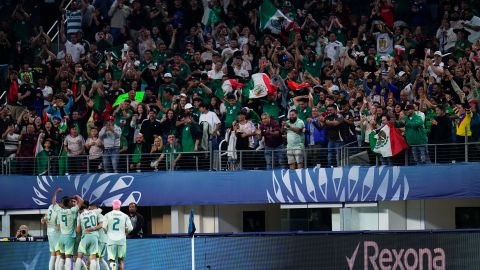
point(295, 156)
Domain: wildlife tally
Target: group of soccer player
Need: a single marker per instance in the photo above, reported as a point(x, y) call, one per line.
point(76, 228)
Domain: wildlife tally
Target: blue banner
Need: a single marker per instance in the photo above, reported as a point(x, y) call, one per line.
point(357, 251)
point(318, 185)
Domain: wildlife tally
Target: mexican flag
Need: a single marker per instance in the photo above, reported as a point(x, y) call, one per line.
point(228, 86)
point(259, 86)
point(41, 157)
point(387, 141)
point(272, 18)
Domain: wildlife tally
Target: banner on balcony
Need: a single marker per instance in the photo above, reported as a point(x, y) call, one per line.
point(318, 185)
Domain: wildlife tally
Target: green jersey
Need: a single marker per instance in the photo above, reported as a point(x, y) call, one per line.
point(231, 113)
point(305, 113)
point(51, 219)
point(67, 219)
point(117, 224)
point(89, 219)
point(188, 144)
point(271, 107)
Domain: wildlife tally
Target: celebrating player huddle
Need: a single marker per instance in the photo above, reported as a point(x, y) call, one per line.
point(76, 228)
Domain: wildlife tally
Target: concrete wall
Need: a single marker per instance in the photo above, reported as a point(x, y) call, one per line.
point(440, 214)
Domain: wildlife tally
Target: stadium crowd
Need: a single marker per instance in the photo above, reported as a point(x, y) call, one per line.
point(171, 77)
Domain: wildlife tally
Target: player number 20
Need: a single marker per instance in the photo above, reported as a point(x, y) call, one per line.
point(91, 220)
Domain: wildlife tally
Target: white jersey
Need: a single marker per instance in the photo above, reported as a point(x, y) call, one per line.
point(117, 225)
point(89, 219)
point(51, 219)
point(67, 219)
point(102, 235)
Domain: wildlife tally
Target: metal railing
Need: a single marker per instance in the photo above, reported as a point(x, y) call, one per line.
point(125, 163)
point(223, 160)
point(56, 26)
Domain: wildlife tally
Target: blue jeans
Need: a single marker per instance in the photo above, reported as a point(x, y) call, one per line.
point(278, 155)
point(333, 153)
point(110, 159)
point(420, 154)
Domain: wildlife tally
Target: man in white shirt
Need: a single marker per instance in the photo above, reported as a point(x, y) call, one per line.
point(446, 36)
point(435, 67)
point(47, 91)
point(72, 47)
point(213, 124)
point(333, 48)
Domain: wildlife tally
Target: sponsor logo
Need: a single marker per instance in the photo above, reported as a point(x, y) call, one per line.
point(377, 258)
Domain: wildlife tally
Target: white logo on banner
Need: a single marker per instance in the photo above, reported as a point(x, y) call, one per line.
point(338, 185)
point(96, 188)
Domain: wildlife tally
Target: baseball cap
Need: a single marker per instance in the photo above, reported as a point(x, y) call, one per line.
point(437, 53)
point(401, 73)
point(110, 118)
point(116, 204)
point(188, 106)
point(167, 75)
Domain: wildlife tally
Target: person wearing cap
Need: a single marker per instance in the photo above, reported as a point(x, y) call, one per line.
point(311, 62)
point(168, 83)
point(415, 134)
point(197, 87)
point(110, 135)
point(117, 225)
point(435, 67)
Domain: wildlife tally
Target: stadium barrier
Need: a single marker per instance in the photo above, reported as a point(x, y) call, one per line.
point(426, 250)
point(224, 160)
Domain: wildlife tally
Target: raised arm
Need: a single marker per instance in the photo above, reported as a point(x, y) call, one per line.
point(54, 197)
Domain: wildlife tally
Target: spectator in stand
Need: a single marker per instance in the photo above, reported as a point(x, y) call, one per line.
point(171, 153)
point(75, 146)
point(211, 126)
point(415, 134)
point(333, 123)
point(118, 13)
point(110, 135)
point(316, 137)
point(271, 131)
point(94, 147)
point(150, 127)
point(295, 129)
point(369, 62)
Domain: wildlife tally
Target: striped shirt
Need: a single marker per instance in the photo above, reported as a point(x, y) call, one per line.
point(74, 21)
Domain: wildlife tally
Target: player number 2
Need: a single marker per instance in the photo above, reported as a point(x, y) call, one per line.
point(115, 224)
